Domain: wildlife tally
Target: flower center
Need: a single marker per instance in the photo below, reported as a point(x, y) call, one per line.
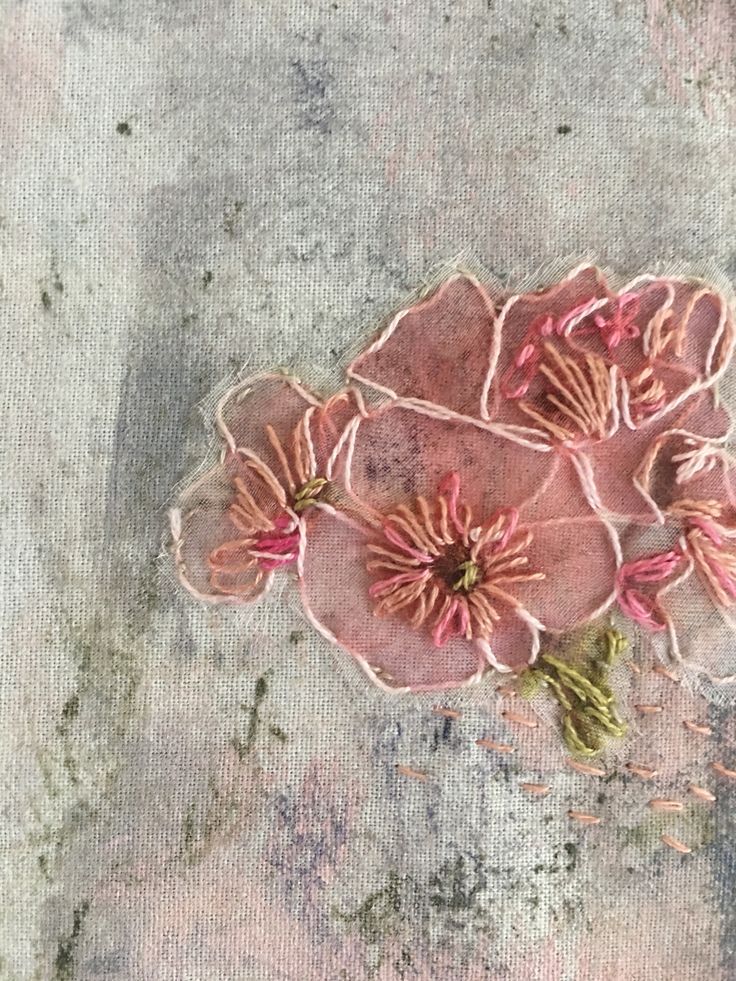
point(440, 571)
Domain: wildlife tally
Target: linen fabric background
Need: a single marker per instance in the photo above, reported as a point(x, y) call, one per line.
point(188, 188)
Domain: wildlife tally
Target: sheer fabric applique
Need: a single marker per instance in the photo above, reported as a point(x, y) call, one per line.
point(500, 473)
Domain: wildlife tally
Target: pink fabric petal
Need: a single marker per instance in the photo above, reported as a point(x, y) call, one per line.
point(628, 468)
point(579, 562)
point(561, 495)
point(400, 453)
point(336, 596)
point(514, 643)
point(327, 425)
point(437, 351)
point(246, 409)
point(685, 459)
point(700, 314)
point(201, 523)
point(701, 634)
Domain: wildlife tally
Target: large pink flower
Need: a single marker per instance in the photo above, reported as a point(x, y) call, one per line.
point(454, 549)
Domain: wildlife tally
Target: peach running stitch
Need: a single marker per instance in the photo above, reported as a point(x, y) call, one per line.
point(268, 543)
point(442, 570)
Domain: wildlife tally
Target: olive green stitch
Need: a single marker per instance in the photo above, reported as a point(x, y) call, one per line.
point(470, 575)
point(580, 684)
point(309, 493)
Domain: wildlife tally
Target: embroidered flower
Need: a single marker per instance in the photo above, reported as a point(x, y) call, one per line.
point(245, 517)
point(688, 590)
point(455, 549)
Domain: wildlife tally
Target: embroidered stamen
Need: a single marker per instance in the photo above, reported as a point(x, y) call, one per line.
point(716, 565)
point(443, 571)
point(581, 397)
point(279, 451)
point(309, 493)
point(676, 844)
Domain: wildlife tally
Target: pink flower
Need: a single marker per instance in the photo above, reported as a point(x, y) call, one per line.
point(690, 481)
point(454, 550)
point(245, 517)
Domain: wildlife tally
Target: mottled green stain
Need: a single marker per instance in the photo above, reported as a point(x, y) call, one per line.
point(64, 963)
point(78, 763)
point(230, 217)
point(457, 885)
point(695, 825)
point(379, 915)
point(253, 712)
point(209, 820)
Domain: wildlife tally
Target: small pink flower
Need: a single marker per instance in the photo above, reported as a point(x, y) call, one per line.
point(245, 517)
point(690, 482)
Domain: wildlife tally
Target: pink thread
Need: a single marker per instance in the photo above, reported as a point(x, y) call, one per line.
point(652, 568)
point(512, 517)
point(443, 629)
point(620, 325)
point(565, 319)
point(723, 577)
point(398, 580)
point(395, 538)
point(708, 529)
point(526, 361)
point(644, 609)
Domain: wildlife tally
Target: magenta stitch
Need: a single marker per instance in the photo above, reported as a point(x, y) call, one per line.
point(620, 326)
point(527, 358)
point(644, 609)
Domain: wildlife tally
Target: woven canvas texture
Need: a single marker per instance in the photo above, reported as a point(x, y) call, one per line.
point(194, 190)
